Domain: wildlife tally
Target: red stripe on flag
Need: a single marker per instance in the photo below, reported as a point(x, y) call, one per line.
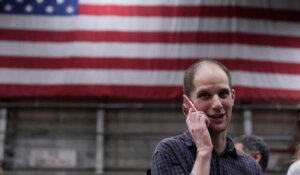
point(261, 66)
point(142, 64)
point(151, 37)
point(91, 91)
point(136, 92)
point(266, 95)
point(192, 11)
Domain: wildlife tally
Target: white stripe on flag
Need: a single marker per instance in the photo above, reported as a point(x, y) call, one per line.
point(92, 77)
point(141, 50)
point(131, 77)
point(148, 24)
point(265, 80)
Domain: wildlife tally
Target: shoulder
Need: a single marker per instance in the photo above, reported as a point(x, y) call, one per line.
point(170, 156)
point(295, 164)
point(170, 143)
point(294, 168)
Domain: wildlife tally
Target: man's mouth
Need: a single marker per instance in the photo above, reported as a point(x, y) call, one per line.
point(216, 116)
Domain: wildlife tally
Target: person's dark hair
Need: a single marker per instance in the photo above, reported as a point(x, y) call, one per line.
point(188, 78)
point(252, 144)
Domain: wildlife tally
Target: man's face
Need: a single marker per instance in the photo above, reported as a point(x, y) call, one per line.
point(213, 96)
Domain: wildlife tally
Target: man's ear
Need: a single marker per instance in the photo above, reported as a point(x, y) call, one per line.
point(256, 156)
point(233, 95)
point(185, 109)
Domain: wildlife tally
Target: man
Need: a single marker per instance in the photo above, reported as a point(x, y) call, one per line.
point(255, 147)
point(205, 148)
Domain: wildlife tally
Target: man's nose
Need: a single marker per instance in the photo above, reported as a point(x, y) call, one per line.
point(216, 104)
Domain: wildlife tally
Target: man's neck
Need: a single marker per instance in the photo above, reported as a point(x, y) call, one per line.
point(219, 141)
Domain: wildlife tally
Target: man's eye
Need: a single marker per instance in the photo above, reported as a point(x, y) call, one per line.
point(203, 95)
point(224, 94)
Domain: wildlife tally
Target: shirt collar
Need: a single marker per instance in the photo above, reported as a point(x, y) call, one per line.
point(230, 148)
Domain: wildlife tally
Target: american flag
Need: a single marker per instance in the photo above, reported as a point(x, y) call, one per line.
point(138, 49)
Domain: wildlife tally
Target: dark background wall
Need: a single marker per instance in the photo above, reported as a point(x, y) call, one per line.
point(120, 139)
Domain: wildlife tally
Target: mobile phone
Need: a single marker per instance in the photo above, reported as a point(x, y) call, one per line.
point(189, 104)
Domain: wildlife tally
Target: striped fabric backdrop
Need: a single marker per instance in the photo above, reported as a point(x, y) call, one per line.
point(138, 49)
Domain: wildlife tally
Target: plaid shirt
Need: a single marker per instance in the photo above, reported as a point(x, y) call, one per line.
point(176, 156)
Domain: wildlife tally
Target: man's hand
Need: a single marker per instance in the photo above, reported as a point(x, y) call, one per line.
point(198, 123)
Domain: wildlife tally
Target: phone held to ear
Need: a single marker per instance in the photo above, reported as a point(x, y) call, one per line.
point(189, 104)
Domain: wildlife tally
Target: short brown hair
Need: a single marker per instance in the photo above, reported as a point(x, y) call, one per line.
point(189, 74)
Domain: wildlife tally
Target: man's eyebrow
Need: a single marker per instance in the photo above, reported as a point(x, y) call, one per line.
point(202, 91)
point(225, 89)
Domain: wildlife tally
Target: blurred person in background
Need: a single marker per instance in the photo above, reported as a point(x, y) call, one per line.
point(294, 168)
point(255, 147)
